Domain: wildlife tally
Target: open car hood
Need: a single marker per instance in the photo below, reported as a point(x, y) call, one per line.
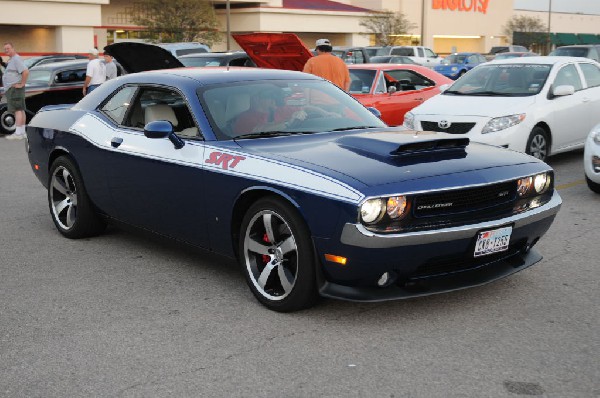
point(140, 57)
point(274, 50)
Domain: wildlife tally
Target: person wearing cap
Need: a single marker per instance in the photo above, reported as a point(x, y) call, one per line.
point(95, 74)
point(328, 66)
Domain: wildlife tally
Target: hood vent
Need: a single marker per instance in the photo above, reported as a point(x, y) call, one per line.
point(423, 147)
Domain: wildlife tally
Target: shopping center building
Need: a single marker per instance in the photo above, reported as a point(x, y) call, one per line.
point(74, 26)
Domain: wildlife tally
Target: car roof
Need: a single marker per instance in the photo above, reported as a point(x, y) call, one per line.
point(232, 54)
point(218, 74)
point(546, 60)
point(373, 66)
point(70, 63)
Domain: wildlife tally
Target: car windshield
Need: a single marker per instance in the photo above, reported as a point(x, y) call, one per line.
point(507, 56)
point(503, 80)
point(380, 59)
point(37, 76)
point(29, 62)
point(454, 59)
point(570, 52)
point(272, 108)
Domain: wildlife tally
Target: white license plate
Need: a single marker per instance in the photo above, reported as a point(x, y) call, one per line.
point(492, 241)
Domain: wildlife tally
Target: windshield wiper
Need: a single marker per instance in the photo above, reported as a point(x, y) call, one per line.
point(355, 128)
point(263, 134)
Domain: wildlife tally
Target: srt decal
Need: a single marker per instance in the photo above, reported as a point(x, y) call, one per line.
point(224, 159)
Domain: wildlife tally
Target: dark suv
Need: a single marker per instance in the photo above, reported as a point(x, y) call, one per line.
point(582, 50)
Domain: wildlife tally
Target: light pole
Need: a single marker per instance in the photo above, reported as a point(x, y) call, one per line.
point(227, 15)
point(422, 22)
point(549, 22)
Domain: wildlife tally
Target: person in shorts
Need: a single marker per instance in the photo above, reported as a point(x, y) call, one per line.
point(14, 80)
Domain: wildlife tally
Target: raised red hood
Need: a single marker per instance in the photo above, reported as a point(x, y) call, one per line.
point(274, 50)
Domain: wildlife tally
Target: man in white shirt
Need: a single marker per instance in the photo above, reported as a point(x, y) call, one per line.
point(95, 74)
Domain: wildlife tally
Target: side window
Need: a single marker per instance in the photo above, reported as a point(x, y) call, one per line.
point(420, 52)
point(407, 80)
point(70, 76)
point(594, 54)
point(153, 104)
point(591, 73)
point(568, 76)
point(116, 107)
point(430, 54)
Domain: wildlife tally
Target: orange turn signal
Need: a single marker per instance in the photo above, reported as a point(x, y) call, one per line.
point(336, 259)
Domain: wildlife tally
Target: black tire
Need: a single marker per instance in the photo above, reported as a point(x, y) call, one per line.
point(7, 122)
point(462, 72)
point(277, 256)
point(595, 187)
point(72, 211)
point(538, 144)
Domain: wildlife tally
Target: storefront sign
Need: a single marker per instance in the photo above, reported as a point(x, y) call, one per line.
point(461, 5)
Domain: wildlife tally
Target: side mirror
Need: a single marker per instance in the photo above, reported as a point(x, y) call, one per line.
point(392, 89)
point(163, 129)
point(374, 111)
point(561, 91)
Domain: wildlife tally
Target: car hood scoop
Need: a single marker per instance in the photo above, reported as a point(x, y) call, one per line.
point(398, 146)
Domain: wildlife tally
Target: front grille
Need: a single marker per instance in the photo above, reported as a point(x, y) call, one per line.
point(466, 262)
point(463, 200)
point(455, 128)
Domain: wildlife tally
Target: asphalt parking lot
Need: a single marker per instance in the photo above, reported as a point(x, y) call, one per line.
point(125, 315)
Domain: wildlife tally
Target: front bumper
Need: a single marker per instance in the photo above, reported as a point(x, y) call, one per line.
point(430, 262)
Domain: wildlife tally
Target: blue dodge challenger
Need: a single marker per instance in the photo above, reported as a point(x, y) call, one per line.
point(309, 190)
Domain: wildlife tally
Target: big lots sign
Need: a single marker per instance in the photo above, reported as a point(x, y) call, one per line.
point(461, 5)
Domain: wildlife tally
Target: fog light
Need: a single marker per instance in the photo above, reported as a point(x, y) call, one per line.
point(384, 279)
point(596, 163)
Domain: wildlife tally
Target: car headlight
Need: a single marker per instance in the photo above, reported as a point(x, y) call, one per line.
point(409, 120)
point(454, 69)
point(501, 123)
point(374, 210)
point(596, 137)
point(534, 185)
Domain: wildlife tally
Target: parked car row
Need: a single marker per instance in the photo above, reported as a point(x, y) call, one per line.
point(524, 103)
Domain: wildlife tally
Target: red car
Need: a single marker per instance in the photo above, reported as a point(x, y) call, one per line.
point(390, 88)
point(394, 89)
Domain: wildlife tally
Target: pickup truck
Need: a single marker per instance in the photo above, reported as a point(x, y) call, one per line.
point(421, 55)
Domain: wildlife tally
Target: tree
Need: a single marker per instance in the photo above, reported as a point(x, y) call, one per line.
point(526, 31)
point(178, 20)
point(386, 26)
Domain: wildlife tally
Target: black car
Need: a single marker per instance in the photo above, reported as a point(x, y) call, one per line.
point(237, 58)
point(47, 84)
point(46, 59)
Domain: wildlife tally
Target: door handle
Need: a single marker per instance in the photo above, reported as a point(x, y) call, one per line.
point(585, 99)
point(116, 141)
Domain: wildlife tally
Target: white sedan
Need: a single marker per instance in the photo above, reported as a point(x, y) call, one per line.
point(591, 159)
point(537, 105)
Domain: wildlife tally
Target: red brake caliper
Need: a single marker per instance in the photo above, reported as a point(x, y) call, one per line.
point(265, 258)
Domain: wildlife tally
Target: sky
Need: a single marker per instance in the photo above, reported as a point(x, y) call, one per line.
point(570, 6)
